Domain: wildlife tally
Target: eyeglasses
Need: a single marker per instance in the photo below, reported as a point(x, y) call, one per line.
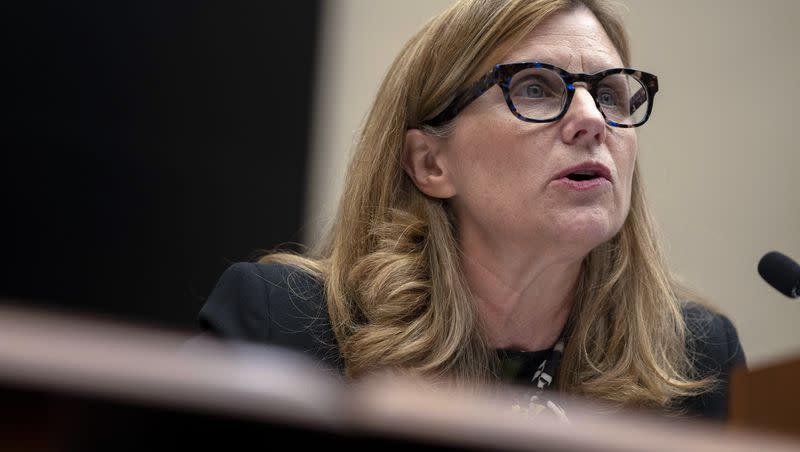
point(539, 92)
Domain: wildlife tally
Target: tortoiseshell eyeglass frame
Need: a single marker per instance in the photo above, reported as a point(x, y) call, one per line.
point(502, 74)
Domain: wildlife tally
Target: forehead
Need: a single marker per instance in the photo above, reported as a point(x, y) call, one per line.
point(573, 40)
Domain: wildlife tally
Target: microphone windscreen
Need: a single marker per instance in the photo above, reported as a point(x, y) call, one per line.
point(781, 272)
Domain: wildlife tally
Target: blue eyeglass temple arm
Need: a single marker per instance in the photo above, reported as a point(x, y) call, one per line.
point(639, 98)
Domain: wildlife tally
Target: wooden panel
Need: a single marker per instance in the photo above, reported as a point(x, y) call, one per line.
point(767, 398)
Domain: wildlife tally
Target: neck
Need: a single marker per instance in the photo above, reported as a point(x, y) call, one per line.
point(523, 301)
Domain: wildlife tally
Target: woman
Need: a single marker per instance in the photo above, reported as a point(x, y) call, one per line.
point(494, 226)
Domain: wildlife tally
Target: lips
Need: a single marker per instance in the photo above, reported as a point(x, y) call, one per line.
point(587, 171)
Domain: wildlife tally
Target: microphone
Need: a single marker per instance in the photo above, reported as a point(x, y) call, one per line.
point(781, 272)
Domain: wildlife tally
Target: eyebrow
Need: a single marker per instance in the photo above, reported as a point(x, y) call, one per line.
point(595, 67)
point(556, 56)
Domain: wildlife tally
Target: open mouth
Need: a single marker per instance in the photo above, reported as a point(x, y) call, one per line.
point(583, 175)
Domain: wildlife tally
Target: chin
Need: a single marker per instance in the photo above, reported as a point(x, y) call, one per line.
point(588, 232)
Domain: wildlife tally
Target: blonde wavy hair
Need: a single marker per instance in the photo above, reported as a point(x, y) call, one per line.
point(396, 295)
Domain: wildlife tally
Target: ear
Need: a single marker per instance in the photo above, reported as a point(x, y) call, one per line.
point(425, 164)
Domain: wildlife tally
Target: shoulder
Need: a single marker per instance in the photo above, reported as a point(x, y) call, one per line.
point(270, 304)
point(277, 280)
point(715, 351)
point(712, 337)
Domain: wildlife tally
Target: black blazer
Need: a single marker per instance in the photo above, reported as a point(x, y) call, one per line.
point(275, 304)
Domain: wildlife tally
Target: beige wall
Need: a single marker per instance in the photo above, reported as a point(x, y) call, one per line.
point(719, 155)
point(359, 40)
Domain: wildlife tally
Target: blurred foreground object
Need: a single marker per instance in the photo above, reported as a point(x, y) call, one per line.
point(767, 398)
point(76, 384)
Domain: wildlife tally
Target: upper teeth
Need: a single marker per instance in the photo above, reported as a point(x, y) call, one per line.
point(585, 173)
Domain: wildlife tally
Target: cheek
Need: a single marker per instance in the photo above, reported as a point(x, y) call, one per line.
point(624, 148)
point(625, 154)
point(483, 157)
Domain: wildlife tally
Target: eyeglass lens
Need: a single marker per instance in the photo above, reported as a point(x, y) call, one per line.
point(540, 94)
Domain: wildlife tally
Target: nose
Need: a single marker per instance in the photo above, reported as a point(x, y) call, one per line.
point(583, 123)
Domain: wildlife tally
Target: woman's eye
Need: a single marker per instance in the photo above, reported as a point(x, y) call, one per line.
point(607, 99)
point(534, 91)
point(532, 87)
